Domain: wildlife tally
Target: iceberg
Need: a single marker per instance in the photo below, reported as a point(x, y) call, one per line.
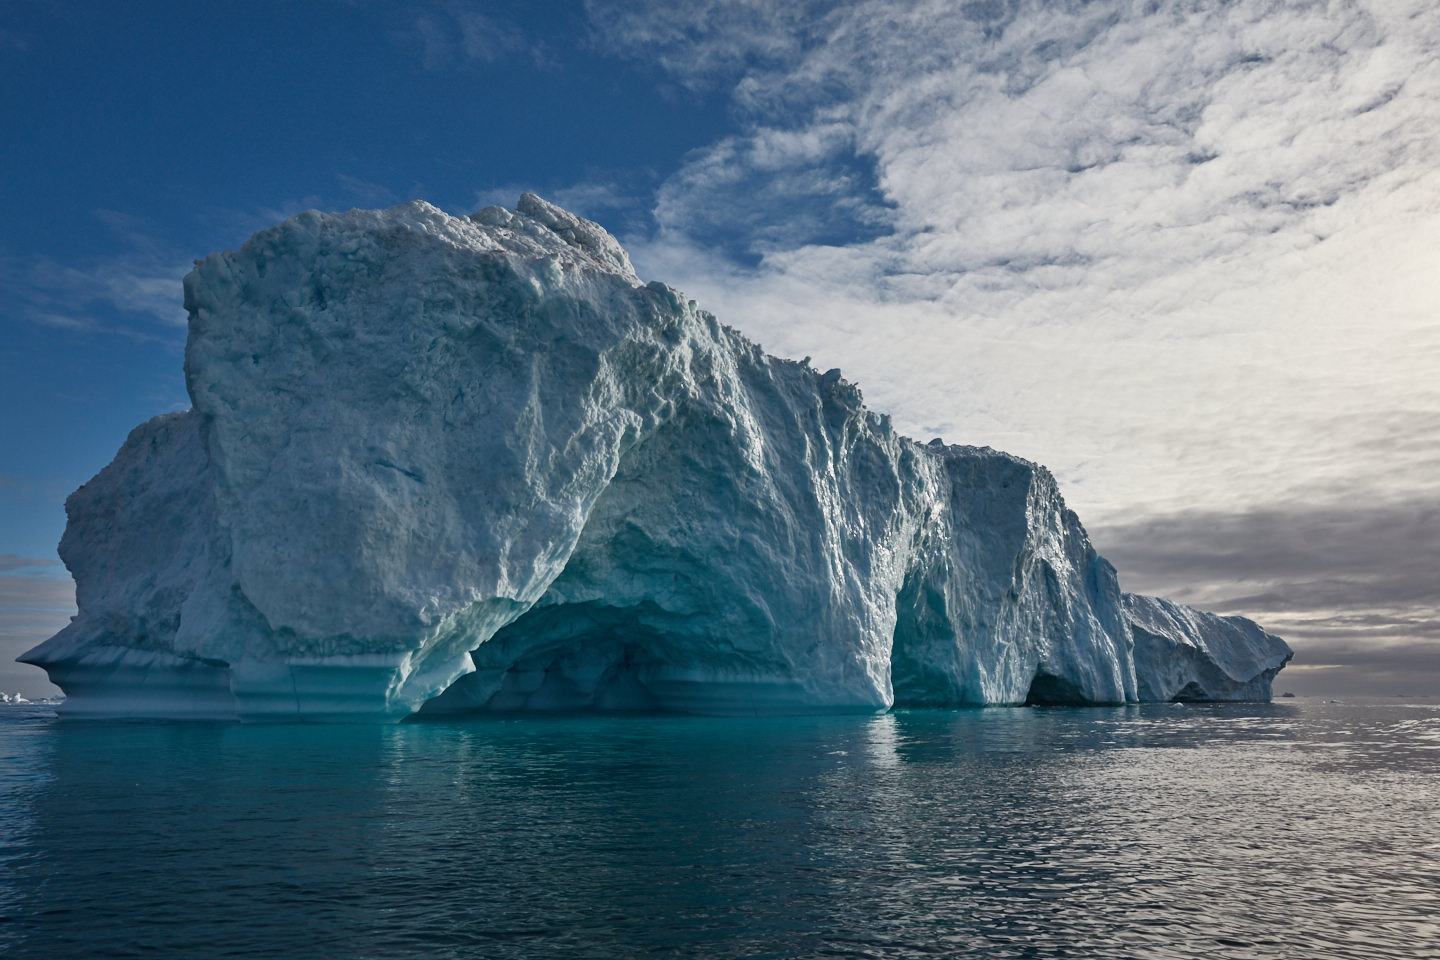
point(441, 465)
point(1184, 654)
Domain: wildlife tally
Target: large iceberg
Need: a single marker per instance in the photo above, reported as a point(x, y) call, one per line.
point(441, 464)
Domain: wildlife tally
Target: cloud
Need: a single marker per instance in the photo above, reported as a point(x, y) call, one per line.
point(1182, 253)
point(1167, 252)
point(367, 194)
point(142, 282)
point(1071, 135)
point(10, 561)
point(620, 206)
point(1404, 670)
point(241, 224)
point(31, 610)
point(711, 41)
point(1337, 579)
point(588, 199)
point(798, 187)
point(134, 283)
point(454, 33)
point(1333, 543)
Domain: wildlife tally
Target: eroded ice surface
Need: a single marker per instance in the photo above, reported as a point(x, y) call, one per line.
point(474, 463)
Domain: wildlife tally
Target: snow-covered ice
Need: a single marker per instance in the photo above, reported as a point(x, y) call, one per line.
point(449, 464)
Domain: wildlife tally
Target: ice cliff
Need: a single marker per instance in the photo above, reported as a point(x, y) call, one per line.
point(448, 464)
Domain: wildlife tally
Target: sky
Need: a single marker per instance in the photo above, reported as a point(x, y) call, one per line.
point(1185, 254)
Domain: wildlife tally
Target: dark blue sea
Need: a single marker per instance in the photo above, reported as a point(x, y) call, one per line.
point(1303, 828)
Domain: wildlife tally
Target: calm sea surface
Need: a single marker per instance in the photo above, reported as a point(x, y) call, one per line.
point(1303, 828)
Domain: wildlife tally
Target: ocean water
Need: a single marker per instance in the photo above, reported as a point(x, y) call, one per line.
point(1303, 829)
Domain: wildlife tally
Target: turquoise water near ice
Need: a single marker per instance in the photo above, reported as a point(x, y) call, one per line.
point(1296, 829)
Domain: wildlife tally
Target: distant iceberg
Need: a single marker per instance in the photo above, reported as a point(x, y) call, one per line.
point(20, 700)
point(442, 464)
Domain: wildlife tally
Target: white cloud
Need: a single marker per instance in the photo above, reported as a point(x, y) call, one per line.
point(135, 283)
point(1182, 253)
point(142, 281)
point(1168, 253)
point(64, 295)
point(708, 41)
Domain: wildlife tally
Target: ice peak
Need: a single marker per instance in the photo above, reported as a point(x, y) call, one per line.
point(586, 236)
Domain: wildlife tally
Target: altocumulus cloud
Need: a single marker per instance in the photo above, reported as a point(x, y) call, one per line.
point(1181, 252)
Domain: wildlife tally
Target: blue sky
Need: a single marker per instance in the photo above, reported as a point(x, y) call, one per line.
point(139, 137)
point(1182, 253)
